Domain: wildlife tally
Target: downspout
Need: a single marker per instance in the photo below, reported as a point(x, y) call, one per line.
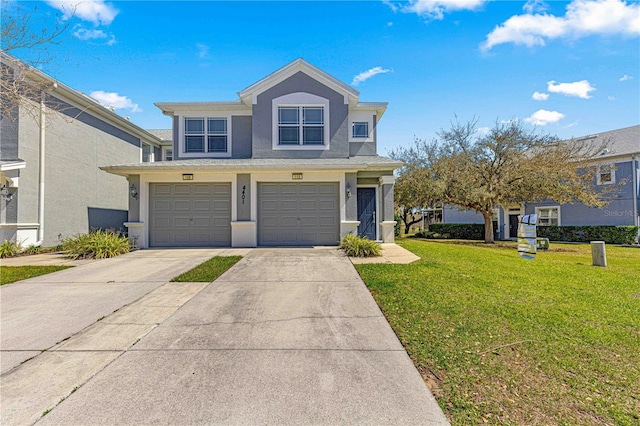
point(635, 168)
point(41, 169)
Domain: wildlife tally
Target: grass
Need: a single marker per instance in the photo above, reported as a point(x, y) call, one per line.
point(208, 271)
point(11, 274)
point(503, 340)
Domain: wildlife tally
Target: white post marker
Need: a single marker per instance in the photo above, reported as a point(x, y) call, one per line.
point(598, 253)
point(527, 236)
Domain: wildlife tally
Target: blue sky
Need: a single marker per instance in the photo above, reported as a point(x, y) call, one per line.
point(570, 68)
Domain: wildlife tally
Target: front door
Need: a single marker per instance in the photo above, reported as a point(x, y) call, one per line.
point(513, 226)
point(367, 212)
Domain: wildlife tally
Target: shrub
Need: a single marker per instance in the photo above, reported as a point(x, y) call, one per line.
point(32, 250)
point(9, 249)
point(97, 244)
point(583, 234)
point(397, 228)
point(356, 246)
point(431, 234)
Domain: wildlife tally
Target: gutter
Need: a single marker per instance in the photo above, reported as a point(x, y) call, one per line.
point(635, 168)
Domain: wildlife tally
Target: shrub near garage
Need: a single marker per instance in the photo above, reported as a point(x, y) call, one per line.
point(356, 246)
point(98, 244)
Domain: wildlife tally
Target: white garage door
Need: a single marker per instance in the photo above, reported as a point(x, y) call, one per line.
point(190, 214)
point(298, 214)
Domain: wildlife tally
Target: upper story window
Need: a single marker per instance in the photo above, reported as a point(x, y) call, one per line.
point(300, 125)
point(168, 154)
point(360, 129)
point(205, 135)
point(146, 153)
point(300, 122)
point(606, 174)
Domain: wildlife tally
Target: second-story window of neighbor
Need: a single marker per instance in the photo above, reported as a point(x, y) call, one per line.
point(360, 129)
point(197, 130)
point(146, 153)
point(301, 125)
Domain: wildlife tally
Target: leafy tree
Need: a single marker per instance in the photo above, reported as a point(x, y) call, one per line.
point(507, 165)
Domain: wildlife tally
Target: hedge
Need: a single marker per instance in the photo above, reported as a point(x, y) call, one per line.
point(583, 234)
point(459, 231)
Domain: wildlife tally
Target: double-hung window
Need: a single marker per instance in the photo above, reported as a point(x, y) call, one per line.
point(301, 125)
point(548, 216)
point(205, 135)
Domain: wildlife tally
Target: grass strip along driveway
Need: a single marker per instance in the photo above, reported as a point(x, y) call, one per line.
point(503, 340)
point(11, 274)
point(208, 271)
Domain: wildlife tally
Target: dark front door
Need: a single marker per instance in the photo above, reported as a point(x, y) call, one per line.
point(367, 212)
point(513, 226)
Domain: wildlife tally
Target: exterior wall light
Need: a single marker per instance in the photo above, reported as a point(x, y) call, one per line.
point(348, 190)
point(4, 192)
point(133, 191)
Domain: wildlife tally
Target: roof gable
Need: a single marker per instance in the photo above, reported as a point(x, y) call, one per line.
point(250, 94)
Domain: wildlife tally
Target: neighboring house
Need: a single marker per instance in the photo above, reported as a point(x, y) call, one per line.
point(618, 165)
point(166, 150)
point(293, 162)
point(51, 149)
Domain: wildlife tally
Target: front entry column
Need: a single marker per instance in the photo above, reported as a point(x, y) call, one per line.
point(387, 223)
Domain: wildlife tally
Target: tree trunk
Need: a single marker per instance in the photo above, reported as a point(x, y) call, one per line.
point(488, 228)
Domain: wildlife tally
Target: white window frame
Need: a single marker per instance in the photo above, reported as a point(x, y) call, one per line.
point(538, 209)
point(151, 158)
point(299, 100)
point(353, 129)
point(361, 117)
point(206, 154)
point(165, 154)
point(612, 171)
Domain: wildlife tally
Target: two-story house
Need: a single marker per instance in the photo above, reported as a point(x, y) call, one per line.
point(52, 142)
point(292, 162)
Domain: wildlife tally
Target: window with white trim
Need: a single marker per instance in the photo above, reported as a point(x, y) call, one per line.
point(206, 135)
point(606, 174)
point(360, 129)
point(146, 153)
point(548, 216)
point(300, 125)
point(168, 154)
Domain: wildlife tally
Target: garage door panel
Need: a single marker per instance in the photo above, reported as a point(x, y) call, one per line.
point(190, 214)
point(311, 217)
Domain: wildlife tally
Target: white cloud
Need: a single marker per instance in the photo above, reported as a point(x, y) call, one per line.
point(364, 76)
point(540, 96)
point(625, 78)
point(578, 89)
point(483, 131)
point(203, 50)
point(612, 98)
point(435, 9)
point(96, 11)
point(542, 117)
point(583, 18)
point(85, 34)
point(535, 6)
point(112, 99)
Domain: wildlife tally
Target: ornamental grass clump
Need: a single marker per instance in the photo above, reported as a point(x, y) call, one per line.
point(356, 246)
point(98, 244)
point(9, 249)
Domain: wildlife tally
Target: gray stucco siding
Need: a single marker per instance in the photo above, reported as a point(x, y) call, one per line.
point(451, 214)
point(244, 196)
point(300, 82)
point(616, 213)
point(9, 136)
point(241, 136)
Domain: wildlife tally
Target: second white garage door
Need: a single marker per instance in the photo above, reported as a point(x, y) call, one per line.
point(298, 214)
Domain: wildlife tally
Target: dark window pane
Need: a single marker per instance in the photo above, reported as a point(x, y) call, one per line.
point(217, 143)
point(288, 115)
point(288, 135)
point(313, 115)
point(361, 130)
point(194, 144)
point(313, 135)
point(194, 126)
point(217, 126)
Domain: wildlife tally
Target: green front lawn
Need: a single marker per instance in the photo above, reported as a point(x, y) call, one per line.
point(11, 274)
point(210, 270)
point(503, 340)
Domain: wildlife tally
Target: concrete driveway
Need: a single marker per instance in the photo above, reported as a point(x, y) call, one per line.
point(287, 336)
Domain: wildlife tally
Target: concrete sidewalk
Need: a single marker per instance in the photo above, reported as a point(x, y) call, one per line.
point(39, 312)
point(287, 336)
